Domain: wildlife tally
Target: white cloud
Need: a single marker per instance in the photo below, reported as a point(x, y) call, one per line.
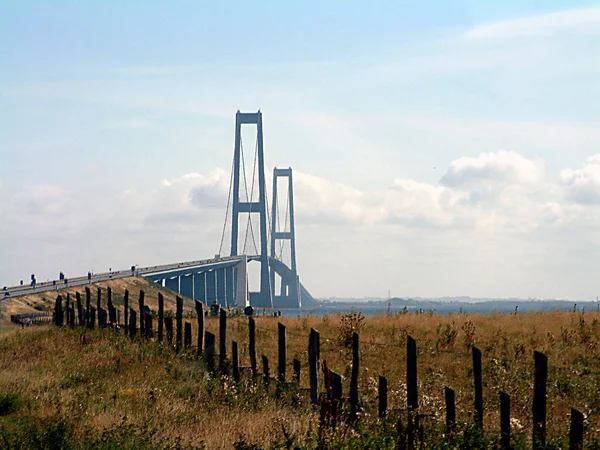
point(492, 169)
point(584, 20)
point(583, 185)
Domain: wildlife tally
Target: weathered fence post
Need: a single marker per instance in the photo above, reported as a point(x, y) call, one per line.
point(102, 318)
point(72, 316)
point(336, 386)
point(132, 323)
point(148, 324)
point(235, 361)
point(576, 430)
point(354, 376)
point(88, 300)
point(412, 396)
point(67, 312)
point(92, 317)
point(222, 338)
point(161, 316)
point(505, 420)
point(99, 302)
point(209, 353)
point(477, 381)
point(296, 365)
point(79, 309)
point(126, 310)
point(450, 409)
point(266, 373)
point(200, 318)
point(112, 312)
point(178, 322)
point(187, 336)
point(313, 364)
point(539, 400)
point(383, 396)
point(58, 311)
point(252, 344)
point(169, 330)
point(142, 313)
point(281, 351)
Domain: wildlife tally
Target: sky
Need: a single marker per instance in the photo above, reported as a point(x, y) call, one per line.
point(439, 148)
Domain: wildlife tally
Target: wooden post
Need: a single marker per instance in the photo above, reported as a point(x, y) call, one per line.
point(161, 316)
point(102, 318)
point(92, 317)
point(126, 309)
point(98, 302)
point(148, 324)
point(576, 430)
point(209, 353)
point(336, 385)
point(314, 364)
point(282, 351)
point(354, 376)
point(222, 338)
point(539, 400)
point(235, 361)
point(450, 410)
point(505, 421)
point(79, 309)
point(296, 365)
point(72, 316)
point(112, 312)
point(266, 373)
point(142, 313)
point(66, 311)
point(252, 344)
point(178, 322)
point(383, 396)
point(477, 379)
point(200, 318)
point(88, 300)
point(169, 330)
point(132, 323)
point(187, 336)
point(58, 311)
point(412, 397)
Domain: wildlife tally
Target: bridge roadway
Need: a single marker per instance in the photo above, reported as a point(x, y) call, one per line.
point(54, 285)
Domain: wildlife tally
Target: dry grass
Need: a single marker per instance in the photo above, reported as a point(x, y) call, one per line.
point(97, 378)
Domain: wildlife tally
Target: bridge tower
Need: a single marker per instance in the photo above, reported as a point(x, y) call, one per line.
point(264, 297)
point(289, 295)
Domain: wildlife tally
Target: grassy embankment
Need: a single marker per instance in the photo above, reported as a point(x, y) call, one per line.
point(77, 385)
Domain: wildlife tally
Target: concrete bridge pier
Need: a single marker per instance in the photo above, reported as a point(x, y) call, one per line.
point(172, 283)
point(186, 286)
point(200, 287)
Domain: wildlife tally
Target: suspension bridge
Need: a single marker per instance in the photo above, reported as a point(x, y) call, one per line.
point(225, 279)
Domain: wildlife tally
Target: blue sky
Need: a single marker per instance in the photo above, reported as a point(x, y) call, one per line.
point(449, 145)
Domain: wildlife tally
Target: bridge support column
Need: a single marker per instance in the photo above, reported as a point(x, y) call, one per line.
point(172, 283)
point(229, 287)
point(289, 295)
point(200, 287)
point(186, 286)
point(221, 287)
point(241, 283)
point(263, 298)
point(211, 287)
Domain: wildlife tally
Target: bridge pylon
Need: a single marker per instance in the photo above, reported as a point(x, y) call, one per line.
point(290, 292)
point(264, 297)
